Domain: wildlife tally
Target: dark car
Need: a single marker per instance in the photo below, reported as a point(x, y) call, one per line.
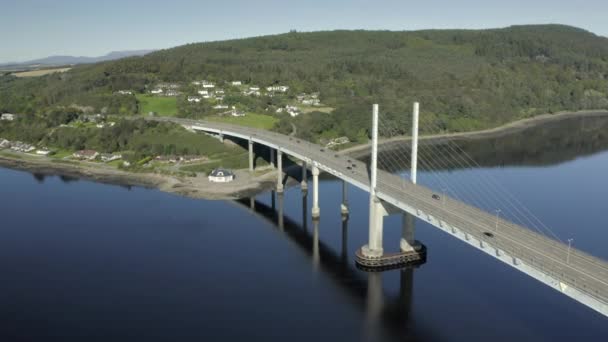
point(348, 167)
point(436, 197)
point(488, 234)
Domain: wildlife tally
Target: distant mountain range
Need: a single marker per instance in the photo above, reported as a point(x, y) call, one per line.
point(69, 60)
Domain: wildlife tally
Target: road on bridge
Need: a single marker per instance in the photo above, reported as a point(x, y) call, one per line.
point(581, 271)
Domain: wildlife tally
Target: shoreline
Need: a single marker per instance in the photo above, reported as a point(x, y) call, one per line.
point(244, 185)
point(193, 187)
point(508, 128)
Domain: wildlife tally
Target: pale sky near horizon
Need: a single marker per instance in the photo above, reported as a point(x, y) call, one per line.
point(31, 29)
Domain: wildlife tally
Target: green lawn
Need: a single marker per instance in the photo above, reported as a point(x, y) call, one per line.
point(249, 120)
point(160, 105)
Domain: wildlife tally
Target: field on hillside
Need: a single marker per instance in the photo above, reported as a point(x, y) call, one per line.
point(160, 105)
point(249, 120)
point(41, 72)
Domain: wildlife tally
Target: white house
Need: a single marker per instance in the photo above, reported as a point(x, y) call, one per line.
point(124, 92)
point(43, 152)
point(220, 106)
point(207, 84)
point(203, 92)
point(236, 83)
point(108, 157)
point(292, 110)
point(156, 91)
point(86, 154)
point(7, 117)
point(194, 99)
point(219, 91)
point(5, 143)
point(278, 88)
point(221, 176)
point(254, 88)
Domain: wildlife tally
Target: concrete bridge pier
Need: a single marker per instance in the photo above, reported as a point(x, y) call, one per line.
point(279, 171)
point(344, 205)
point(374, 248)
point(272, 164)
point(304, 183)
point(250, 155)
point(315, 193)
point(221, 137)
point(407, 243)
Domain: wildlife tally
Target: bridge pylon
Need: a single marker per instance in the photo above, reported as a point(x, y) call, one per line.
point(371, 256)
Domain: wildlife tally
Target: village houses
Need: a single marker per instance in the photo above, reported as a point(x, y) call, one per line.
point(278, 88)
point(86, 154)
point(8, 117)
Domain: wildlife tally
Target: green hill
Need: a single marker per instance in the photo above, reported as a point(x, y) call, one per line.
point(464, 79)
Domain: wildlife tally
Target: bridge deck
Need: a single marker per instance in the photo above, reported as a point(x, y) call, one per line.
point(583, 272)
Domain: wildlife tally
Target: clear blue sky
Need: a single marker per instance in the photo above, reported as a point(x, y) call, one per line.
point(38, 28)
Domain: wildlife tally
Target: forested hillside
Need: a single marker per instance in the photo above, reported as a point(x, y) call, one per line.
point(464, 79)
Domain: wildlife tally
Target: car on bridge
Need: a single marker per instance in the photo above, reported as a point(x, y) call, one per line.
point(436, 197)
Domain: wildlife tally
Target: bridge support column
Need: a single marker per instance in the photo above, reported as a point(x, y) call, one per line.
point(221, 137)
point(272, 163)
point(407, 243)
point(344, 205)
point(315, 193)
point(374, 248)
point(304, 183)
point(250, 156)
point(279, 171)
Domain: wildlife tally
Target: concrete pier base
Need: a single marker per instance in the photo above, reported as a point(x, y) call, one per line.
point(344, 204)
point(304, 182)
point(372, 257)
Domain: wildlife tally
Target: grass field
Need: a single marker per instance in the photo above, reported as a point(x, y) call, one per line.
point(41, 72)
point(160, 105)
point(249, 120)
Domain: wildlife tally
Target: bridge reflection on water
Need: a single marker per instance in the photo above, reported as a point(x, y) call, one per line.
point(384, 313)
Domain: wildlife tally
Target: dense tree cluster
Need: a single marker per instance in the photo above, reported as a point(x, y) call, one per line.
point(465, 79)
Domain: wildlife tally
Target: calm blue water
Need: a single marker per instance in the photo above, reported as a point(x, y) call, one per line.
point(86, 261)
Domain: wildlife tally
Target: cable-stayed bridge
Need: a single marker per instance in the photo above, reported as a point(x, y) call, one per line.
point(510, 233)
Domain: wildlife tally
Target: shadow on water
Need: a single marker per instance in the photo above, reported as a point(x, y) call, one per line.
point(385, 315)
point(548, 144)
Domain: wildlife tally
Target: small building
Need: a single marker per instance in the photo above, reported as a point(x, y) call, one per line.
point(5, 143)
point(194, 99)
point(43, 152)
point(278, 88)
point(21, 147)
point(236, 83)
point(86, 154)
point(208, 85)
point(156, 91)
point(203, 92)
point(8, 117)
point(221, 176)
point(108, 157)
point(124, 92)
point(220, 106)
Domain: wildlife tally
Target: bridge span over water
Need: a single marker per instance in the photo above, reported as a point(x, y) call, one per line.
point(572, 272)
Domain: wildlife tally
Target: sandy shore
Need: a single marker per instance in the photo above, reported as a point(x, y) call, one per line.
point(244, 185)
point(509, 128)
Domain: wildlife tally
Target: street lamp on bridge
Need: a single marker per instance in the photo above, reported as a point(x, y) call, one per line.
point(569, 246)
point(498, 211)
